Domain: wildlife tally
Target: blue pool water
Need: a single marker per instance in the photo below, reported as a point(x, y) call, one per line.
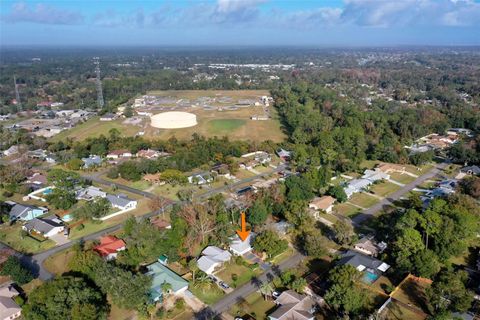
point(67, 218)
point(369, 277)
point(47, 191)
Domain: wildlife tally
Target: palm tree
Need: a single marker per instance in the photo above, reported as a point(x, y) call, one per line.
point(193, 266)
point(266, 290)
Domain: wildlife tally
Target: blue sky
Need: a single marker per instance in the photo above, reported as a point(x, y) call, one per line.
point(240, 22)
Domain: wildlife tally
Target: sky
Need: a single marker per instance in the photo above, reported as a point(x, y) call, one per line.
point(317, 23)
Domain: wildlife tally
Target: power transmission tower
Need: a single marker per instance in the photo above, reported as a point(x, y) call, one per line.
point(100, 101)
point(17, 95)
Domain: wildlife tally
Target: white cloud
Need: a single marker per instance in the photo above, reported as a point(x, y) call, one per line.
point(42, 14)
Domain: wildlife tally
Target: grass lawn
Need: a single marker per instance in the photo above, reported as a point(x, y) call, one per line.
point(283, 256)
point(210, 295)
point(254, 305)
point(402, 178)
point(11, 235)
point(94, 128)
point(384, 188)
point(243, 273)
point(345, 209)
point(222, 127)
point(90, 227)
point(28, 287)
point(413, 292)
point(396, 311)
point(117, 313)
point(363, 200)
point(170, 192)
point(58, 263)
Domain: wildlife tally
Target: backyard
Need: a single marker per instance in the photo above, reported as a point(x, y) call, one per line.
point(243, 274)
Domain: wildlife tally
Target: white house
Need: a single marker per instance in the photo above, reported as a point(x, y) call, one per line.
point(357, 185)
point(47, 227)
point(375, 175)
point(90, 193)
point(200, 179)
point(239, 247)
point(11, 151)
point(121, 202)
point(212, 257)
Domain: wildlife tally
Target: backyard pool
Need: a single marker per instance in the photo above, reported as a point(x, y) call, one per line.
point(369, 277)
point(47, 191)
point(67, 218)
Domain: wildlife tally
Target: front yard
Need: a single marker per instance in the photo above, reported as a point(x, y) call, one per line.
point(208, 295)
point(345, 209)
point(363, 199)
point(242, 273)
point(18, 240)
point(254, 305)
point(384, 188)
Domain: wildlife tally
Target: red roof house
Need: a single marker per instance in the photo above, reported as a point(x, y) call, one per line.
point(110, 246)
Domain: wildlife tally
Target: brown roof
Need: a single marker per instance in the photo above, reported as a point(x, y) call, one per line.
point(387, 167)
point(293, 306)
point(152, 177)
point(160, 223)
point(323, 202)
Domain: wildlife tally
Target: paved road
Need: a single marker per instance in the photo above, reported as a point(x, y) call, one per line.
point(368, 213)
point(240, 293)
point(35, 262)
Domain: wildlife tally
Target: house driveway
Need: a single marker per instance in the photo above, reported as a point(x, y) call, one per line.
point(59, 239)
point(192, 301)
point(249, 256)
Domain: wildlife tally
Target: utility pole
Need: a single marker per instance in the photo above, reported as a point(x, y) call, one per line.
point(17, 95)
point(100, 101)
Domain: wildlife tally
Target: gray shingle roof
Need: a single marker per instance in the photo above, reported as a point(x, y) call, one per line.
point(43, 225)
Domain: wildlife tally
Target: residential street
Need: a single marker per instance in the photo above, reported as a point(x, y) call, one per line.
point(240, 293)
point(368, 213)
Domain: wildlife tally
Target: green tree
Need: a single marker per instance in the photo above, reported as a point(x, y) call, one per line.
point(14, 268)
point(448, 292)
point(315, 244)
point(426, 264)
point(338, 193)
point(344, 294)
point(74, 164)
point(270, 243)
point(67, 298)
point(344, 232)
point(258, 212)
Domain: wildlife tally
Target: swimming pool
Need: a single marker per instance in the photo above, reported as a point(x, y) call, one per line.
point(47, 191)
point(369, 277)
point(67, 218)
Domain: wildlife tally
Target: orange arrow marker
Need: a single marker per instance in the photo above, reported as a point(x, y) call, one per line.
point(243, 233)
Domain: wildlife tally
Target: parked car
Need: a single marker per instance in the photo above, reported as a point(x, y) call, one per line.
point(212, 278)
point(276, 294)
point(223, 285)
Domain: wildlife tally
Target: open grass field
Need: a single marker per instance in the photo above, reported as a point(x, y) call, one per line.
point(94, 128)
point(254, 305)
point(384, 188)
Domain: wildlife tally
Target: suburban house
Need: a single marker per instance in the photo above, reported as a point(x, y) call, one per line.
point(121, 202)
point(293, 306)
point(375, 175)
point(371, 267)
point(200, 179)
point(239, 247)
point(161, 224)
point(119, 154)
point(91, 161)
point(284, 154)
point(369, 177)
point(9, 309)
point(153, 178)
point(109, 247)
point(356, 185)
point(468, 171)
point(369, 246)
point(46, 227)
point(262, 157)
point(161, 274)
point(37, 178)
point(108, 117)
point(90, 193)
point(324, 203)
point(148, 154)
point(221, 169)
point(212, 257)
point(26, 212)
point(390, 167)
point(249, 165)
point(11, 151)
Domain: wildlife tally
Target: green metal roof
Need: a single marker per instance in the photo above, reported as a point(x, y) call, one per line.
point(161, 274)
